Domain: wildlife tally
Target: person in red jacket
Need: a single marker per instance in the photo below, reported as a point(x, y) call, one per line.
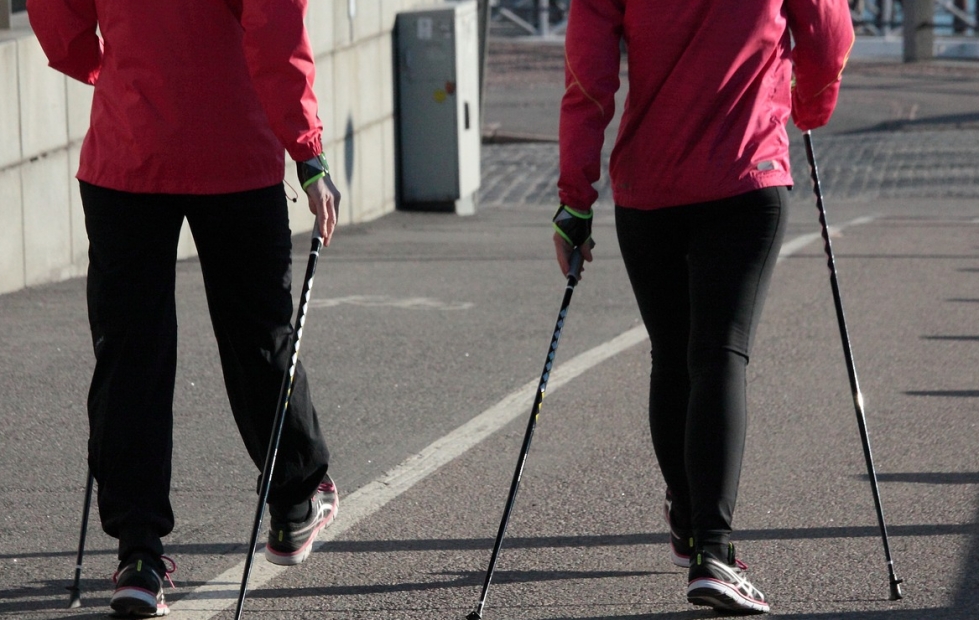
point(699, 174)
point(196, 103)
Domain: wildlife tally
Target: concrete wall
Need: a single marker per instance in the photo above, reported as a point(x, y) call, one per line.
point(44, 116)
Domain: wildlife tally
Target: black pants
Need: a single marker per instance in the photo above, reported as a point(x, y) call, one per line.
point(700, 274)
point(244, 245)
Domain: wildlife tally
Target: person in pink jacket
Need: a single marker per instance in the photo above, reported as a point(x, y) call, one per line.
point(196, 103)
point(700, 174)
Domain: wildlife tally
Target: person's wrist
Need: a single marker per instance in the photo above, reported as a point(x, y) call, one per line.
point(312, 170)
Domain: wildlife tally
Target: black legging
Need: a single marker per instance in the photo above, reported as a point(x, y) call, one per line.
point(700, 274)
point(243, 242)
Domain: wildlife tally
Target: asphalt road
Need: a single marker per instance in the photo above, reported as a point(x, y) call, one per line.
point(427, 335)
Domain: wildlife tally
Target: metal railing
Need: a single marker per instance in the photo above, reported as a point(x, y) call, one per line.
point(885, 17)
point(961, 20)
point(875, 17)
point(533, 17)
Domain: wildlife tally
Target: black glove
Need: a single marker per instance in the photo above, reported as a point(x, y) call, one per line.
point(312, 170)
point(573, 226)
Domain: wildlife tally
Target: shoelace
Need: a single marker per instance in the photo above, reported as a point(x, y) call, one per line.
point(166, 571)
point(738, 564)
point(173, 568)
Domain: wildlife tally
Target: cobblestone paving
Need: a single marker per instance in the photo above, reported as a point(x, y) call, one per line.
point(901, 164)
point(857, 167)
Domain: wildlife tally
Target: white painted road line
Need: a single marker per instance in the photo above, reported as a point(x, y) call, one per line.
point(791, 247)
point(206, 601)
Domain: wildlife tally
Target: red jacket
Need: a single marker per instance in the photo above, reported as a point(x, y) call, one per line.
point(709, 94)
point(191, 96)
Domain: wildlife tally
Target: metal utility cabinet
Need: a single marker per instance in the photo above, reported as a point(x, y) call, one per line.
point(437, 54)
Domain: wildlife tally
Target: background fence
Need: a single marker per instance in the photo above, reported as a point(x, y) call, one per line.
point(882, 17)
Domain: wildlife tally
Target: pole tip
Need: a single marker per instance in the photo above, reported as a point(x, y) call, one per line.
point(896, 593)
point(76, 599)
point(474, 615)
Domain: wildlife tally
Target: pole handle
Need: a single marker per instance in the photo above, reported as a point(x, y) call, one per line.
point(317, 238)
point(577, 261)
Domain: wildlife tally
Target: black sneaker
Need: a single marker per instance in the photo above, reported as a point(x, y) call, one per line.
point(290, 543)
point(681, 541)
point(723, 585)
point(139, 587)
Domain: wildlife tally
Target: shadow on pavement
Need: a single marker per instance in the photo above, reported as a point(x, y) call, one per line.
point(944, 121)
point(945, 393)
point(889, 614)
point(554, 542)
point(929, 477)
point(463, 579)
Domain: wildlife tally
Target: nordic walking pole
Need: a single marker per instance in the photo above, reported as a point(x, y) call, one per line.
point(75, 599)
point(850, 369)
point(574, 274)
point(285, 392)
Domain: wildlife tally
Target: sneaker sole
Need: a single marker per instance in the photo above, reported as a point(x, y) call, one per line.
point(299, 556)
point(128, 602)
point(721, 596)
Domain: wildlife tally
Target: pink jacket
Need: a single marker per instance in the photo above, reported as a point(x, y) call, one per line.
point(191, 96)
point(710, 93)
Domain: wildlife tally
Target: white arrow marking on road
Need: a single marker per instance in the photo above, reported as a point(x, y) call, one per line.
point(217, 595)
